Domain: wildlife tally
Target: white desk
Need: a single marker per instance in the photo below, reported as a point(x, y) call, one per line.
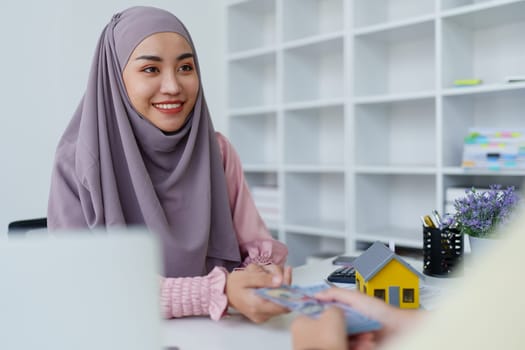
point(236, 332)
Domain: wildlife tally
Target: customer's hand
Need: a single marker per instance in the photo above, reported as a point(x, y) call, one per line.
point(326, 332)
point(240, 287)
point(392, 319)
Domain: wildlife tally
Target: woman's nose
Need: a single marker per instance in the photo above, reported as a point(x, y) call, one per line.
point(170, 84)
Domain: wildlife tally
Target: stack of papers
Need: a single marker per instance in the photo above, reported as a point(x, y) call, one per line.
point(494, 149)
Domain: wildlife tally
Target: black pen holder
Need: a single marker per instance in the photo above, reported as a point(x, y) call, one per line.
point(442, 251)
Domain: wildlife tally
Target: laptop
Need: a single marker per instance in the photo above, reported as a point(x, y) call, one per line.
point(80, 291)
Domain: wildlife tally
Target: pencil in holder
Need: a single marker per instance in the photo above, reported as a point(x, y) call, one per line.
point(442, 251)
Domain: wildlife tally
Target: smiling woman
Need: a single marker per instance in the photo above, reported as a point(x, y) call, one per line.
point(141, 150)
point(67, 35)
point(161, 80)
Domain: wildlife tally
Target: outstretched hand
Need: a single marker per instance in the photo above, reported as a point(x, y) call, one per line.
point(393, 319)
point(329, 330)
point(240, 287)
point(326, 332)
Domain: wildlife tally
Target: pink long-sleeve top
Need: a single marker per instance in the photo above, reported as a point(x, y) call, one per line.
point(187, 296)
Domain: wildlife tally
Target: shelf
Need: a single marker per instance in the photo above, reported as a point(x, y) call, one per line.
point(257, 20)
point(324, 229)
point(376, 12)
point(255, 129)
point(379, 99)
point(489, 14)
point(314, 104)
point(307, 18)
point(314, 197)
point(419, 169)
point(396, 133)
point(261, 177)
point(300, 246)
point(483, 180)
point(251, 54)
point(481, 172)
point(249, 111)
point(487, 44)
point(413, 29)
point(350, 108)
point(313, 72)
point(318, 39)
point(407, 237)
point(252, 82)
point(463, 6)
point(314, 168)
point(259, 168)
point(398, 200)
point(499, 108)
point(398, 61)
point(486, 89)
point(314, 136)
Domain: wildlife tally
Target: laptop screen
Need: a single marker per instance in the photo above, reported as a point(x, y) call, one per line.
point(80, 291)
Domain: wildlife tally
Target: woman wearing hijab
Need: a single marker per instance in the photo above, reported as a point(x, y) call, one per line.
point(141, 150)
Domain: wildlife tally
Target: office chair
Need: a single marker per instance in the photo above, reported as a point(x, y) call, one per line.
point(22, 226)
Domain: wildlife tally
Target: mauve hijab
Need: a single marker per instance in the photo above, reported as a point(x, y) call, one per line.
point(115, 168)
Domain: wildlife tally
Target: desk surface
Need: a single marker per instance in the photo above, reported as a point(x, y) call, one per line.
point(236, 332)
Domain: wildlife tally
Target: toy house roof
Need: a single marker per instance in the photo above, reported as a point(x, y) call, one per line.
point(375, 258)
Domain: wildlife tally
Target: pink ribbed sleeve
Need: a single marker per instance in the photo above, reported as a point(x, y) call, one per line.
point(194, 296)
point(187, 296)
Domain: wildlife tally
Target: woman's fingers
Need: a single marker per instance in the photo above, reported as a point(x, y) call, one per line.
point(287, 275)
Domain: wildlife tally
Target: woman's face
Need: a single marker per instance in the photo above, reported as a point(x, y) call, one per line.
point(161, 80)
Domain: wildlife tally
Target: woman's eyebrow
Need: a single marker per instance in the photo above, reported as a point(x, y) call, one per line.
point(184, 55)
point(149, 58)
point(159, 59)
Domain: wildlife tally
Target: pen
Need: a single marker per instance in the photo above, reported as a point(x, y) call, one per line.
point(437, 217)
point(428, 221)
point(423, 221)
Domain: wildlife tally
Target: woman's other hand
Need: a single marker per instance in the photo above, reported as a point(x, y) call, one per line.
point(240, 287)
point(285, 274)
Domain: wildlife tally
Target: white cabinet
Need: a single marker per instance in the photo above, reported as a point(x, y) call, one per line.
point(348, 109)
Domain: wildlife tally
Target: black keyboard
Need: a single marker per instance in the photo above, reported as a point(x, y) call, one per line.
point(345, 274)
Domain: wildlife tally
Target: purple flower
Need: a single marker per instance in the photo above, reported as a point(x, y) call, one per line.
point(479, 213)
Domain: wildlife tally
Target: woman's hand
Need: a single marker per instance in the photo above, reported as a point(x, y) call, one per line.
point(240, 287)
point(285, 274)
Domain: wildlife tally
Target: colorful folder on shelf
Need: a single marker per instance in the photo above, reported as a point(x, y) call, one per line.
point(494, 149)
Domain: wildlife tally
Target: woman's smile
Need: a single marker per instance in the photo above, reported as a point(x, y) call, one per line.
point(169, 107)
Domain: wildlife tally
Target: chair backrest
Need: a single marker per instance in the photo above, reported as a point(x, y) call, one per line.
point(22, 226)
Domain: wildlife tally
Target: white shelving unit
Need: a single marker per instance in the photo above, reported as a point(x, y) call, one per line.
point(348, 109)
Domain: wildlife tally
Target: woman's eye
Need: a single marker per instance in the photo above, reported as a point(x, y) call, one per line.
point(150, 70)
point(186, 68)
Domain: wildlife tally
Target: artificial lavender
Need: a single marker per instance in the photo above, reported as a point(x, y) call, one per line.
point(479, 213)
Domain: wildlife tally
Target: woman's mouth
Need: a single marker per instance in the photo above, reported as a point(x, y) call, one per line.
point(172, 107)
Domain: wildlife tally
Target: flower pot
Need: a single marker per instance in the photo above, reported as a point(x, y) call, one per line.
point(480, 246)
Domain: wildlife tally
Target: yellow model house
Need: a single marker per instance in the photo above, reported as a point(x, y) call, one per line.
point(383, 274)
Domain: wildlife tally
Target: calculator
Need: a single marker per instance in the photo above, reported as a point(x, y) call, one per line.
point(345, 274)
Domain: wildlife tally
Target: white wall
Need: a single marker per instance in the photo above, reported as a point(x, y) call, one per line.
point(46, 51)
